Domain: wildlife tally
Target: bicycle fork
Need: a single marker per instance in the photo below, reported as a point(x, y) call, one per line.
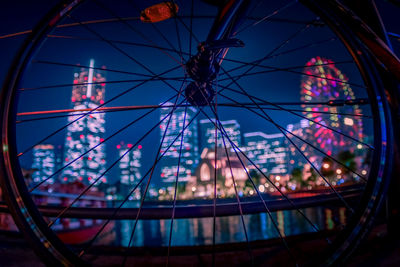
point(203, 67)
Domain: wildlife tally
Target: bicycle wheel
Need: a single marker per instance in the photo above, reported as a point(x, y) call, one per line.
point(288, 120)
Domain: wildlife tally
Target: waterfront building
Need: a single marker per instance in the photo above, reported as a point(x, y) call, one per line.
point(294, 157)
point(207, 129)
point(267, 151)
point(203, 185)
point(190, 146)
point(129, 166)
point(87, 93)
point(44, 162)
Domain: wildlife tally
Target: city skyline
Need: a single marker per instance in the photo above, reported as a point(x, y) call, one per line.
point(267, 154)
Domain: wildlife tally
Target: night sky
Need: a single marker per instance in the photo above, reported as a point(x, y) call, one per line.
point(21, 15)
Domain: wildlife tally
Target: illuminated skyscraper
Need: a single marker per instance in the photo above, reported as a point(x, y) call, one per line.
point(44, 162)
point(190, 149)
point(302, 130)
point(267, 151)
point(129, 166)
point(87, 93)
point(231, 127)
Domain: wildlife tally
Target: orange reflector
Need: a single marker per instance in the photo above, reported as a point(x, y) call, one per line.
point(159, 12)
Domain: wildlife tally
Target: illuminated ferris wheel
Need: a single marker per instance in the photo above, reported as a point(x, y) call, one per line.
point(324, 83)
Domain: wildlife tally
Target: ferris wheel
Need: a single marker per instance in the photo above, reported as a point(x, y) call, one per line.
point(324, 82)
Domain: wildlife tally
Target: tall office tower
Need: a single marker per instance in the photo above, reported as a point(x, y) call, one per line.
point(295, 158)
point(267, 151)
point(129, 166)
point(87, 93)
point(207, 128)
point(44, 161)
point(190, 149)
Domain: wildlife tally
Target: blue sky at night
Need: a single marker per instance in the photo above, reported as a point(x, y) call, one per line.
point(21, 15)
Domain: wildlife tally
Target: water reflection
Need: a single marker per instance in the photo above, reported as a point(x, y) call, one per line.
point(199, 231)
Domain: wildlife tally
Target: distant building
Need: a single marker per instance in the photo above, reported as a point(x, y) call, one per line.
point(129, 167)
point(295, 158)
point(190, 145)
point(268, 151)
point(207, 128)
point(44, 162)
point(87, 93)
point(203, 185)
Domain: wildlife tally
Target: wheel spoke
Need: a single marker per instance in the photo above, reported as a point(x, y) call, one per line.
point(297, 148)
point(133, 29)
point(219, 125)
point(97, 145)
point(115, 47)
point(191, 29)
point(233, 179)
point(72, 112)
point(300, 138)
point(87, 67)
point(151, 175)
point(90, 112)
point(292, 69)
point(299, 115)
point(135, 187)
point(105, 82)
point(178, 36)
point(270, 53)
point(236, 148)
point(176, 188)
point(71, 37)
point(179, 53)
point(267, 17)
point(250, 105)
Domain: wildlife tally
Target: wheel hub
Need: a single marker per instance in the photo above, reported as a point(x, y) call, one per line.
point(203, 69)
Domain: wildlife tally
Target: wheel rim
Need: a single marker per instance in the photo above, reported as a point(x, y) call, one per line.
point(14, 169)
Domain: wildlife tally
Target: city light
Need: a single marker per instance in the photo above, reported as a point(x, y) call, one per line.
point(348, 121)
point(261, 188)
